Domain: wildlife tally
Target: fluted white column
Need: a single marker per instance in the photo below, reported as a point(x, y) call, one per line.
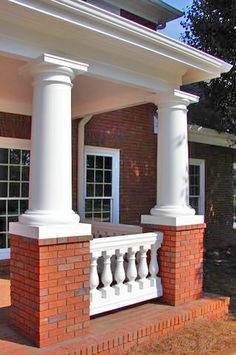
point(50, 197)
point(172, 160)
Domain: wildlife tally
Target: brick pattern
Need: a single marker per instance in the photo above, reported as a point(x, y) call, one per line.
point(15, 126)
point(218, 193)
point(131, 131)
point(50, 288)
point(117, 333)
point(4, 267)
point(181, 263)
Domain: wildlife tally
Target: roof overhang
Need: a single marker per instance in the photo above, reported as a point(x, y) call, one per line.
point(108, 43)
point(199, 134)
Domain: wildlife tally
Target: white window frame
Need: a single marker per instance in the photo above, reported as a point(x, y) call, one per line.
point(115, 154)
point(201, 164)
point(12, 143)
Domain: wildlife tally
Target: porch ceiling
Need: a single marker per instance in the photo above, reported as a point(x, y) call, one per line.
point(115, 48)
point(90, 95)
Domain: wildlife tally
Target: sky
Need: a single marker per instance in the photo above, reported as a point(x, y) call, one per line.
point(174, 29)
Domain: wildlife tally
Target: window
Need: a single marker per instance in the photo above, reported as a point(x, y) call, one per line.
point(197, 185)
point(101, 184)
point(14, 185)
point(234, 195)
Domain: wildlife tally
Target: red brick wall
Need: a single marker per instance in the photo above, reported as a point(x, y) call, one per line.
point(4, 267)
point(50, 288)
point(181, 262)
point(131, 131)
point(15, 126)
point(218, 193)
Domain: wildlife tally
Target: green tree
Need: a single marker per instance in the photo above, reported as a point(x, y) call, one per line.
point(210, 25)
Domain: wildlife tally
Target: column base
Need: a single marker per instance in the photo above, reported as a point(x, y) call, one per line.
point(50, 231)
point(42, 218)
point(172, 221)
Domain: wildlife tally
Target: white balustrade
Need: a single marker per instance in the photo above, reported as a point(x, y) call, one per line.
point(125, 273)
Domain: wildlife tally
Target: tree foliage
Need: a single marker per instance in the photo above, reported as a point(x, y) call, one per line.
point(210, 25)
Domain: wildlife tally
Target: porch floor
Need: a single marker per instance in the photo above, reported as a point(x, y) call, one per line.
point(115, 333)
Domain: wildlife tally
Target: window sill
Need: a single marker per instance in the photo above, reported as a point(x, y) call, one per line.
point(4, 254)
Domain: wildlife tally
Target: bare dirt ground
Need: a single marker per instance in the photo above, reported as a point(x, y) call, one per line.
point(206, 337)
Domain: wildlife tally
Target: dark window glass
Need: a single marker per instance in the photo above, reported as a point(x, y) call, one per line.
point(15, 156)
point(2, 224)
point(25, 189)
point(3, 243)
point(99, 162)
point(90, 161)
point(107, 190)
point(23, 206)
point(25, 157)
point(3, 156)
point(14, 189)
point(3, 189)
point(99, 175)
point(3, 172)
point(90, 175)
point(98, 190)
point(3, 207)
point(108, 163)
point(90, 190)
point(25, 173)
point(13, 207)
point(14, 173)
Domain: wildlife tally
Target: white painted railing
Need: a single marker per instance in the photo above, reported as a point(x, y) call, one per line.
point(105, 229)
point(122, 272)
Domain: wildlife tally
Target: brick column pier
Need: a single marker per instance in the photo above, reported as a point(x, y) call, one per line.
point(181, 262)
point(50, 288)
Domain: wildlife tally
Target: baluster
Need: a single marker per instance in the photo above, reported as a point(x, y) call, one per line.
point(119, 274)
point(143, 268)
point(94, 279)
point(107, 276)
point(131, 271)
point(153, 266)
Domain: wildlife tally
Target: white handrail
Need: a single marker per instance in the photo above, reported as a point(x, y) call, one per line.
point(121, 271)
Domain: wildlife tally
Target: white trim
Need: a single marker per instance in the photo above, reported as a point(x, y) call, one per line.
point(14, 143)
point(80, 162)
point(115, 154)
point(5, 254)
point(201, 164)
point(50, 231)
point(172, 221)
point(210, 136)
point(79, 13)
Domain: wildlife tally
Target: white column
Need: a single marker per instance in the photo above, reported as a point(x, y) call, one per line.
point(172, 160)
point(50, 197)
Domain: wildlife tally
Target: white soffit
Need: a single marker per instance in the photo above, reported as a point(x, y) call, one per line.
point(209, 136)
point(112, 33)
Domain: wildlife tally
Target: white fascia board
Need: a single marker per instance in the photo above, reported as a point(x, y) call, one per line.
point(198, 134)
point(88, 16)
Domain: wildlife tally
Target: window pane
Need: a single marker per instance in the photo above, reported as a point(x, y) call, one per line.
point(108, 176)
point(2, 240)
point(3, 207)
point(13, 207)
point(106, 205)
point(90, 175)
point(3, 189)
point(15, 173)
point(25, 189)
point(14, 156)
point(106, 217)
point(90, 161)
point(99, 175)
point(23, 206)
point(107, 190)
point(99, 162)
point(25, 173)
point(3, 172)
point(97, 216)
point(88, 205)
point(3, 156)
point(108, 163)
point(97, 205)
point(88, 215)
point(98, 190)
point(14, 189)
point(26, 157)
point(2, 224)
point(90, 190)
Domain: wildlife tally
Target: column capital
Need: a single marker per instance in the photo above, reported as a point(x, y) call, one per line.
point(175, 98)
point(49, 63)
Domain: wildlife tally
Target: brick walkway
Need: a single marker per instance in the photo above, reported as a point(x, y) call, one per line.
point(114, 333)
